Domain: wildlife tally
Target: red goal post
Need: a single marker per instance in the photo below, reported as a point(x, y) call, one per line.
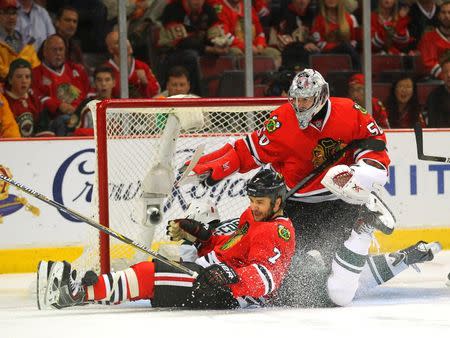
point(129, 135)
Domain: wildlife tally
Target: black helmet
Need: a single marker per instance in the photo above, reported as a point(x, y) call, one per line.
point(267, 183)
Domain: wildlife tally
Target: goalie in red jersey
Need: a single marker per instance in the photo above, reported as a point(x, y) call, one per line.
point(235, 270)
point(334, 214)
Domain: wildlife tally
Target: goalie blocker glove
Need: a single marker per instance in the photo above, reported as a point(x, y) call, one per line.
point(192, 227)
point(216, 276)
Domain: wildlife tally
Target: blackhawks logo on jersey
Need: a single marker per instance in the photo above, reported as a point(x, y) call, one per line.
point(360, 108)
point(324, 149)
point(284, 232)
point(272, 124)
point(237, 236)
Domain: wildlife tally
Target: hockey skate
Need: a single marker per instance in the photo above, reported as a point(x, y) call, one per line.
point(62, 290)
point(43, 271)
point(418, 253)
point(375, 215)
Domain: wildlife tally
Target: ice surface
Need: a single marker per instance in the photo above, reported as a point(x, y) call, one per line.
point(411, 305)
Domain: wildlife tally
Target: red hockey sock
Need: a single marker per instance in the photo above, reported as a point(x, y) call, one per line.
point(136, 282)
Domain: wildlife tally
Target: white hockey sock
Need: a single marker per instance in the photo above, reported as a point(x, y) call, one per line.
point(378, 270)
point(346, 268)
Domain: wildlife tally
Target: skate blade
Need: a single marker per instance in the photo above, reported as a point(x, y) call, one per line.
point(53, 288)
point(41, 284)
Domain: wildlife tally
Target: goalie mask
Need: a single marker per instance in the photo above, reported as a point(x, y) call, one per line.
point(205, 212)
point(308, 84)
point(267, 183)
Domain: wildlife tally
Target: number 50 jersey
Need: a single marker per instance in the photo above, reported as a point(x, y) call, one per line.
point(295, 152)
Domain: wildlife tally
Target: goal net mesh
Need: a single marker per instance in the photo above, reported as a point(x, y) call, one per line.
point(133, 134)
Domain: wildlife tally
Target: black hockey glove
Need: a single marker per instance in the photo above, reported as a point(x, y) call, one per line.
point(197, 229)
point(216, 275)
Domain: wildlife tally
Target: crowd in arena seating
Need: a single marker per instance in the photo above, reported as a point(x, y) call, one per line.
point(57, 55)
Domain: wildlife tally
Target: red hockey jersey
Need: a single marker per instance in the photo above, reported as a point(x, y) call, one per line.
point(259, 252)
point(432, 46)
point(70, 85)
point(137, 87)
point(26, 111)
point(233, 23)
point(326, 34)
point(389, 35)
point(295, 152)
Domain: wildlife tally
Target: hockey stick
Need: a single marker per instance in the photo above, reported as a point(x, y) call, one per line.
point(366, 143)
point(98, 226)
point(419, 142)
point(184, 179)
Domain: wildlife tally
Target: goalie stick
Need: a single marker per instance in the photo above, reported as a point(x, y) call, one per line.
point(366, 143)
point(419, 143)
point(98, 226)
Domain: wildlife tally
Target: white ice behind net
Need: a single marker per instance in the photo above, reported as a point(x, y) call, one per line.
point(133, 137)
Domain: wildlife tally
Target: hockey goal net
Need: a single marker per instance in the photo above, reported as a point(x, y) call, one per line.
point(130, 136)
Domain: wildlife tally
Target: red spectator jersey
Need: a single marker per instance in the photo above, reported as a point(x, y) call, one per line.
point(326, 34)
point(432, 45)
point(295, 152)
point(70, 85)
point(259, 252)
point(379, 113)
point(389, 35)
point(233, 23)
point(26, 111)
point(137, 87)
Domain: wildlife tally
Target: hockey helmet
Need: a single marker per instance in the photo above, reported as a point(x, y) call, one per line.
point(205, 212)
point(308, 83)
point(267, 183)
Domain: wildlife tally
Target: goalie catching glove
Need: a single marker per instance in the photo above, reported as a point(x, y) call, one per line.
point(188, 229)
point(354, 183)
point(216, 275)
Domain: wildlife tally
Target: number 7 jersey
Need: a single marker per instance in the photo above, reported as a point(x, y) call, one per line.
point(259, 252)
point(295, 152)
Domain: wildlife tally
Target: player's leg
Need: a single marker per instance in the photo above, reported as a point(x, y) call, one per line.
point(164, 285)
point(350, 258)
point(381, 268)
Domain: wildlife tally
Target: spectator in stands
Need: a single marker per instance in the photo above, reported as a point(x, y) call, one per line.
point(178, 83)
point(403, 105)
point(292, 33)
point(389, 28)
point(423, 16)
point(438, 102)
point(12, 43)
point(231, 16)
point(34, 22)
point(191, 28)
point(104, 84)
point(142, 82)
point(356, 93)
point(436, 42)
point(60, 85)
point(24, 105)
point(334, 31)
point(280, 83)
point(8, 125)
point(66, 24)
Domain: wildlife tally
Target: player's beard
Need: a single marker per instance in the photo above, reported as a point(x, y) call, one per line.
point(262, 216)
